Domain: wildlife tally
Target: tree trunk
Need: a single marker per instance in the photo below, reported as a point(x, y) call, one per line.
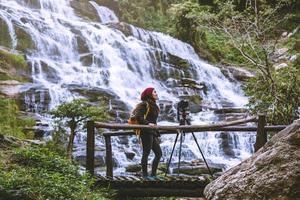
point(71, 139)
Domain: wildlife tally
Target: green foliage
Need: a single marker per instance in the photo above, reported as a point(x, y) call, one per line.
point(281, 107)
point(38, 174)
point(73, 114)
point(9, 59)
point(10, 124)
point(79, 110)
point(147, 14)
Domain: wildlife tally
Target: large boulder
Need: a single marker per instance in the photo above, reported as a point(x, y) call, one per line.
point(271, 173)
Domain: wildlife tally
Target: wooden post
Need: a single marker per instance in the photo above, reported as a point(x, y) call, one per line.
point(90, 147)
point(108, 158)
point(261, 136)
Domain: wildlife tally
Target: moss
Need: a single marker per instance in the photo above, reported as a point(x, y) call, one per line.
point(134, 168)
point(5, 39)
point(10, 59)
point(10, 66)
point(24, 40)
point(197, 99)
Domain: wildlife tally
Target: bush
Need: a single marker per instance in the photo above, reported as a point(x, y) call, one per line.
point(10, 124)
point(37, 173)
point(281, 107)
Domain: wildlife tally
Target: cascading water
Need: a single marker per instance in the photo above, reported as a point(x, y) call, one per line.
point(73, 55)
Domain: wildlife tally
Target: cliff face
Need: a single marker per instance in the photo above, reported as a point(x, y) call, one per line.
point(271, 173)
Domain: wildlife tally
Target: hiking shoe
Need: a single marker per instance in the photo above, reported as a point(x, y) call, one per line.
point(149, 178)
point(159, 178)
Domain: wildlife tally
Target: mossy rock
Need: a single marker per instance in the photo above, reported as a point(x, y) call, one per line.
point(134, 168)
point(13, 67)
point(197, 99)
point(24, 40)
point(5, 39)
point(178, 62)
point(86, 10)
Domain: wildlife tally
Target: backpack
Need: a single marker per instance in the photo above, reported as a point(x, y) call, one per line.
point(132, 120)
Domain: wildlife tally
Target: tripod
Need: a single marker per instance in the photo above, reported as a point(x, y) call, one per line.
point(184, 121)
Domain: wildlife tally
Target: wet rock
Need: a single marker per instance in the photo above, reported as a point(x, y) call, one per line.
point(85, 10)
point(273, 172)
point(121, 26)
point(227, 143)
point(230, 110)
point(25, 41)
point(35, 99)
point(81, 160)
point(5, 39)
point(30, 3)
point(86, 59)
point(129, 155)
point(123, 140)
point(177, 61)
point(49, 73)
point(13, 66)
point(134, 168)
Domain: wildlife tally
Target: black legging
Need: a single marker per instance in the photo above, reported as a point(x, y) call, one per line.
point(149, 141)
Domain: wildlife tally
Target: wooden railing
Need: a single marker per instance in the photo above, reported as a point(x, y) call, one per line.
point(261, 129)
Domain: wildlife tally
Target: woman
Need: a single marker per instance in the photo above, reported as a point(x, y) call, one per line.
point(147, 113)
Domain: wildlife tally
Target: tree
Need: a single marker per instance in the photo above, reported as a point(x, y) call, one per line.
point(252, 31)
point(74, 114)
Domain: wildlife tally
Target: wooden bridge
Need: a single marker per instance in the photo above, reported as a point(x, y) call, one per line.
point(182, 186)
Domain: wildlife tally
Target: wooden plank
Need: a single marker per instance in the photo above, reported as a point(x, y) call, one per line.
point(161, 192)
point(108, 158)
point(261, 136)
point(229, 128)
point(173, 128)
point(90, 147)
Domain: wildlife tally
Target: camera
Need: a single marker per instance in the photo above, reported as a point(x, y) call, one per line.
point(182, 111)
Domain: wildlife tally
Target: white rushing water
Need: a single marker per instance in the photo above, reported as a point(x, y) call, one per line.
point(74, 54)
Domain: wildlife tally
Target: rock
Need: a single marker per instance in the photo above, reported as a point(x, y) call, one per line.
point(124, 140)
point(230, 110)
point(121, 26)
point(134, 168)
point(237, 73)
point(129, 155)
point(177, 61)
point(227, 142)
point(280, 66)
point(271, 173)
point(8, 141)
point(13, 66)
point(35, 99)
point(293, 58)
point(5, 39)
point(196, 170)
point(31, 3)
point(85, 10)
point(25, 41)
point(10, 88)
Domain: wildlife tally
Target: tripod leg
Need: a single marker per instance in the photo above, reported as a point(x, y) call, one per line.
point(202, 154)
point(171, 154)
point(179, 157)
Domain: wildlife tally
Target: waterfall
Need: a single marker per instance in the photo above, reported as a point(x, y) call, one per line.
point(74, 55)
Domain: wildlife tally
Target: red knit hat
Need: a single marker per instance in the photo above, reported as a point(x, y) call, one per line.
point(147, 93)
